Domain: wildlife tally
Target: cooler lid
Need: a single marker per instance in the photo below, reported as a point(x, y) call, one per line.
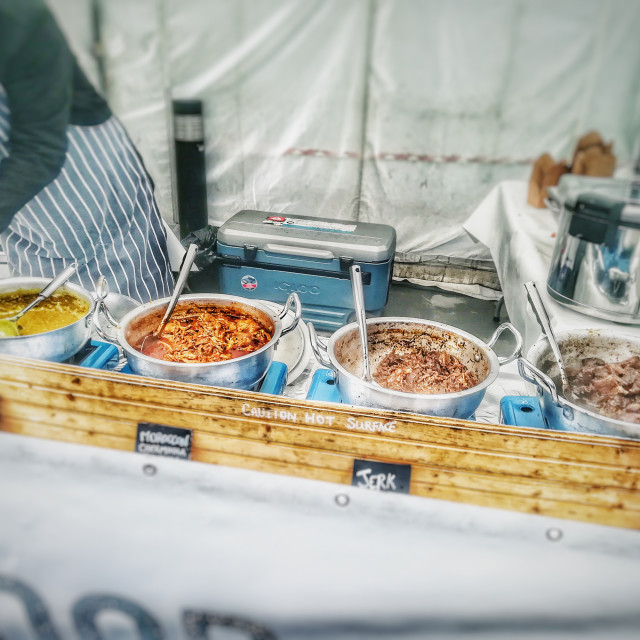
point(309, 236)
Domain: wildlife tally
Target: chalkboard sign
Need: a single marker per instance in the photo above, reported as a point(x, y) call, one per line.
point(163, 440)
point(381, 476)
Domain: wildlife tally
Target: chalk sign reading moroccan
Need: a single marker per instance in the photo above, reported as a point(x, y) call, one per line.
point(163, 440)
point(381, 476)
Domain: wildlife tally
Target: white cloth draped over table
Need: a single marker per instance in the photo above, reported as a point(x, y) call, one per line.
point(521, 239)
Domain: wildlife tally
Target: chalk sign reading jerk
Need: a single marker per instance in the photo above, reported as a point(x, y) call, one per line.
point(381, 476)
point(163, 440)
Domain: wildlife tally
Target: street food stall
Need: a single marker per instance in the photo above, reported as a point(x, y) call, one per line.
point(292, 456)
point(395, 391)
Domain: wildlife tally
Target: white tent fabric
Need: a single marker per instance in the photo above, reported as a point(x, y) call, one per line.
point(405, 112)
point(124, 538)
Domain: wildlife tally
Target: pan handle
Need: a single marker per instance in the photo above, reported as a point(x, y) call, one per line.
point(318, 347)
point(292, 301)
point(553, 205)
point(532, 374)
point(517, 352)
point(100, 330)
point(102, 291)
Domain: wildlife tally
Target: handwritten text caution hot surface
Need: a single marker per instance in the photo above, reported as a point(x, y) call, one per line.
point(314, 418)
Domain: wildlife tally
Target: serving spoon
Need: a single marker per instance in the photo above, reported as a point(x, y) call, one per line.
point(177, 290)
point(361, 318)
point(542, 316)
point(9, 326)
point(152, 339)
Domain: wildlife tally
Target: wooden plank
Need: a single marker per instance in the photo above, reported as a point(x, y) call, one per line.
point(612, 515)
point(87, 430)
point(65, 434)
point(356, 444)
point(228, 402)
point(574, 476)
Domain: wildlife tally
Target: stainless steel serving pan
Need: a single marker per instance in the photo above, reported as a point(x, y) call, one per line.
point(57, 345)
point(540, 369)
point(343, 355)
point(244, 372)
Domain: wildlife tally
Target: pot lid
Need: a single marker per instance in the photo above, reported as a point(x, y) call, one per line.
point(596, 218)
point(595, 205)
point(571, 186)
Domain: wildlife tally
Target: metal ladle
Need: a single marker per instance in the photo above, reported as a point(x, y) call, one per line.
point(361, 318)
point(177, 290)
point(542, 316)
point(9, 327)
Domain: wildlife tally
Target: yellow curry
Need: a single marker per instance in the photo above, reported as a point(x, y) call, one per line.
point(62, 308)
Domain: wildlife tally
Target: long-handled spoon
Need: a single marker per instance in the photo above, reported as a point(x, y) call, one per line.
point(9, 327)
point(361, 317)
point(545, 322)
point(177, 290)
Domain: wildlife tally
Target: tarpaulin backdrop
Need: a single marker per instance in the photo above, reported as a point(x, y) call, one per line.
point(113, 545)
point(404, 112)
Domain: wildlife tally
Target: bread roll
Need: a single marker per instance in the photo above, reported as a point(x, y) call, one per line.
point(540, 168)
point(596, 161)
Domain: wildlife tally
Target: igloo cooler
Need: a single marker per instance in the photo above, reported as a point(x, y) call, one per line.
point(267, 256)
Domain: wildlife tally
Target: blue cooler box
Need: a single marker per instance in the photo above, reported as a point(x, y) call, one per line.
point(266, 256)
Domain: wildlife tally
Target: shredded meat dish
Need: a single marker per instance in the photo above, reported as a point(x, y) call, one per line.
point(424, 372)
point(200, 335)
point(612, 390)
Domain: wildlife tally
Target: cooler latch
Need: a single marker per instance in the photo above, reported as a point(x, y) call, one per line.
point(250, 252)
point(346, 262)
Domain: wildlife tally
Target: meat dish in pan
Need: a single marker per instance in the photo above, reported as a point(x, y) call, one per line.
point(423, 371)
point(201, 334)
point(611, 389)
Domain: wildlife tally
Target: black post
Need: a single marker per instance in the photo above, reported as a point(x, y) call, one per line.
point(97, 47)
point(191, 174)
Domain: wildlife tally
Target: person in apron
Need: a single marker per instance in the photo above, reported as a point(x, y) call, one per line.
point(72, 185)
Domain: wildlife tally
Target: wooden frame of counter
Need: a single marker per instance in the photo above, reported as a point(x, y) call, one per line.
point(575, 476)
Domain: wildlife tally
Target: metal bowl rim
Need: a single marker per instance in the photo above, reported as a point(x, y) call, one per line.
point(494, 365)
point(34, 281)
point(154, 304)
point(540, 344)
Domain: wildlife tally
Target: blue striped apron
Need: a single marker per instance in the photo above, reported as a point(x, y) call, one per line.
point(99, 210)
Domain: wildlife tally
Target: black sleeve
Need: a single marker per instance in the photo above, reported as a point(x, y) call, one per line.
point(37, 78)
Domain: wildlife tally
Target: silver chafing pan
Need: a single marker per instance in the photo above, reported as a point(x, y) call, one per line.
point(343, 354)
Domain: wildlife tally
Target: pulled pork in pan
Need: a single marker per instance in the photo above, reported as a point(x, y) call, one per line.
point(424, 372)
point(612, 390)
point(199, 334)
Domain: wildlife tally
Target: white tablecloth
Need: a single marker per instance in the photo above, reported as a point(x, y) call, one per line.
point(521, 239)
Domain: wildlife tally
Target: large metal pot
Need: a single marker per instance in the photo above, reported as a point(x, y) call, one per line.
point(595, 268)
point(540, 369)
point(57, 345)
point(343, 354)
point(244, 372)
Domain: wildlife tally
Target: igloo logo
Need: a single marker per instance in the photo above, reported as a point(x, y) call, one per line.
point(249, 282)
